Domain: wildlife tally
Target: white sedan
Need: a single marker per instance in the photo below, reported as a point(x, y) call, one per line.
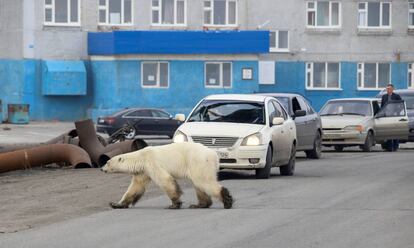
point(246, 131)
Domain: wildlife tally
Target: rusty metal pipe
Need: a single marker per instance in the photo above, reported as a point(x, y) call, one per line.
point(89, 141)
point(42, 155)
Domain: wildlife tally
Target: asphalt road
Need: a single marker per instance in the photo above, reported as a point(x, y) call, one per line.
point(349, 199)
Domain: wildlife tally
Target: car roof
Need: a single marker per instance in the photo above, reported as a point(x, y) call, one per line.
point(399, 91)
point(240, 97)
point(354, 99)
point(127, 110)
point(290, 95)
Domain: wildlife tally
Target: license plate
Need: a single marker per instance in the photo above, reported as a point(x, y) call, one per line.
point(222, 154)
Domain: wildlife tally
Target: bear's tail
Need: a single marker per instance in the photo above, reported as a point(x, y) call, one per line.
point(226, 198)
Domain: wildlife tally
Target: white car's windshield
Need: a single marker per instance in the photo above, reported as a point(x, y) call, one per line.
point(362, 108)
point(229, 111)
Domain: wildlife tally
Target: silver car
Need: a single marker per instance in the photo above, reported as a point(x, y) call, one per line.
point(361, 122)
point(307, 120)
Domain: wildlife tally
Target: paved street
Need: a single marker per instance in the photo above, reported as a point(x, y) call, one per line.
point(349, 199)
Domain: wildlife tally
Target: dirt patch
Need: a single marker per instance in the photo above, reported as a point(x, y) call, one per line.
point(43, 196)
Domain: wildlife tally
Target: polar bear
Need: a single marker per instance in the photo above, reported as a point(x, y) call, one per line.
point(164, 164)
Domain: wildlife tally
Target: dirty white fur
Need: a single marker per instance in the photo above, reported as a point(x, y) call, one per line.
point(164, 164)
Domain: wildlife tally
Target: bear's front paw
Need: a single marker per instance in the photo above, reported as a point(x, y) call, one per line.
point(176, 205)
point(194, 206)
point(117, 205)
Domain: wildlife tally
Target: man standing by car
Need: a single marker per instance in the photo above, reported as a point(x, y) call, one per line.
point(386, 98)
point(390, 96)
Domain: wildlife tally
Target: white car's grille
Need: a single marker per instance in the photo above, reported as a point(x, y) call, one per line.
point(215, 141)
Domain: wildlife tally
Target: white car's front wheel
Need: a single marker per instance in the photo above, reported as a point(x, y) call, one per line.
point(264, 173)
point(289, 168)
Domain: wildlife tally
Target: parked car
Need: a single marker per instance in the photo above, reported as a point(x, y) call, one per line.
point(307, 120)
point(251, 132)
point(361, 122)
point(408, 96)
point(146, 121)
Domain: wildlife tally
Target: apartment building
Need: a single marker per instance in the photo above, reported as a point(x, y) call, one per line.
point(71, 59)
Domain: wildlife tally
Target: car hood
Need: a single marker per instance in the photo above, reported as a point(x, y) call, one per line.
point(219, 129)
point(338, 121)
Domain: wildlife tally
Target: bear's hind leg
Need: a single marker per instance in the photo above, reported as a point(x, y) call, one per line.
point(204, 200)
point(214, 189)
point(135, 191)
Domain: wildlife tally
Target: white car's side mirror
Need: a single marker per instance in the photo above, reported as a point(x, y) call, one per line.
point(180, 117)
point(277, 121)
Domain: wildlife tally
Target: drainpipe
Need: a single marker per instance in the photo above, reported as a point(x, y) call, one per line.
point(42, 155)
point(99, 154)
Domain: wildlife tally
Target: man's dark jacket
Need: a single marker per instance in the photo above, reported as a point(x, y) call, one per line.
point(394, 97)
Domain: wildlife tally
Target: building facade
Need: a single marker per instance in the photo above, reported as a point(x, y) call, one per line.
point(73, 59)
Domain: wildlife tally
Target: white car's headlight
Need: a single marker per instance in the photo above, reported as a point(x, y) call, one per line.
point(180, 137)
point(252, 140)
point(358, 128)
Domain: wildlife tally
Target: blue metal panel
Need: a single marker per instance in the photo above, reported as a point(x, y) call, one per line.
point(178, 42)
point(64, 78)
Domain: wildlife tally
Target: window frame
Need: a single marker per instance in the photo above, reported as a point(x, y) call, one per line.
point(309, 70)
point(315, 10)
point(211, 10)
point(106, 9)
point(410, 69)
point(361, 74)
point(277, 49)
point(410, 12)
point(381, 26)
point(221, 85)
point(53, 10)
point(159, 9)
point(158, 82)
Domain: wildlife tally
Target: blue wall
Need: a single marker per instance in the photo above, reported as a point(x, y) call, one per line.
point(21, 83)
point(178, 42)
point(117, 85)
point(290, 77)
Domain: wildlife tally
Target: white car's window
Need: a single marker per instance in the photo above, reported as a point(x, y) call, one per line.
point(362, 108)
point(284, 101)
point(279, 109)
point(393, 109)
point(229, 111)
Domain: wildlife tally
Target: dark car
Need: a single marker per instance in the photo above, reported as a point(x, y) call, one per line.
point(408, 96)
point(307, 120)
point(144, 120)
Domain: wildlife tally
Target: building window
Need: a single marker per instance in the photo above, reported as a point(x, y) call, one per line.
point(320, 75)
point(323, 14)
point(168, 12)
point(218, 74)
point(374, 15)
point(373, 75)
point(411, 75)
point(411, 14)
point(279, 41)
point(115, 12)
point(220, 12)
point(62, 12)
point(155, 74)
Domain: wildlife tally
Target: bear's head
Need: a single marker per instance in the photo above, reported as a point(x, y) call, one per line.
point(115, 164)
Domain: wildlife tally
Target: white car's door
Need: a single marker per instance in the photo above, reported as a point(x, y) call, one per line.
point(280, 134)
point(391, 122)
point(288, 135)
